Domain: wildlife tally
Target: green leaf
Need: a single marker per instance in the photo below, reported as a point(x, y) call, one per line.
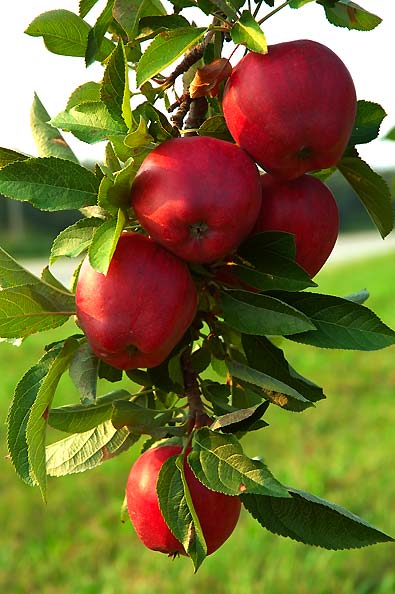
point(37, 423)
point(83, 451)
point(215, 127)
point(96, 36)
point(129, 12)
point(152, 25)
point(74, 240)
point(367, 122)
point(309, 519)
point(13, 274)
point(86, 6)
point(228, 7)
point(340, 323)
point(25, 394)
point(299, 3)
point(159, 126)
point(114, 91)
point(372, 190)
point(272, 273)
point(84, 372)
point(265, 357)
point(246, 31)
point(218, 461)
point(49, 183)
point(140, 136)
point(278, 243)
point(26, 309)
point(88, 92)
point(390, 135)
point(345, 13)
point(241, 419)
point(8, 156)
point(105, 241)
point(176, 506)
point(78, 418)
point(141, 420)
point(49, 142)
point(65, 33)
point(90, 122)
point(165, 49)
point(27, 417)
point(261, 314)
point(200, 359)
point(273, 389)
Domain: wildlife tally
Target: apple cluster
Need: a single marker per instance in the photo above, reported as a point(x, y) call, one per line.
point(290, 112)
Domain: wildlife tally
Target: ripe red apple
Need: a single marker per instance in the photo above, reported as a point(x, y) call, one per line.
point(305, 207)
point(197, 196)
point(292, 109)
point(218, 513)
point(135, 314)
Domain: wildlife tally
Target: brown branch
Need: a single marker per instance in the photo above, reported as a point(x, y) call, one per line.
point(189, 59)
point(197, 416)
point(197, 113)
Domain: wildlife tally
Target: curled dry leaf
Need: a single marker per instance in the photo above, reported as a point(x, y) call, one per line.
point(207, 79)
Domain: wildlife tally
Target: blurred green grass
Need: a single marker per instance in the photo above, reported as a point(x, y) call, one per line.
point(342, 450)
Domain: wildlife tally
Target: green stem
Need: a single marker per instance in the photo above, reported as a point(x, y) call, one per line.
point(270, 14)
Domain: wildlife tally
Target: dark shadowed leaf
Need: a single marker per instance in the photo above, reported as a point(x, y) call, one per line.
point(367, 122)
point(312, 520)
point(372, 190)
point(264, 356)
point(340, 323)
point(276, 391)
point(114, 91)
point(261, 314)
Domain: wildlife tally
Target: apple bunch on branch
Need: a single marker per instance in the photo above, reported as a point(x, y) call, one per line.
point(199, 237)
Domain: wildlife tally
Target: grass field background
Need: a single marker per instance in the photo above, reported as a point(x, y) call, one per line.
point(342, 450)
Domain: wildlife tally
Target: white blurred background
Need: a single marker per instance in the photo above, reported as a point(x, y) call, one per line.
point(27, 66)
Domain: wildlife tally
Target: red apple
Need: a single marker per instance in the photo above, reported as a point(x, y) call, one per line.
point(305, 207)
point(197, 196)
point(292, 109)
point(136, 314)
point(218, 513)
